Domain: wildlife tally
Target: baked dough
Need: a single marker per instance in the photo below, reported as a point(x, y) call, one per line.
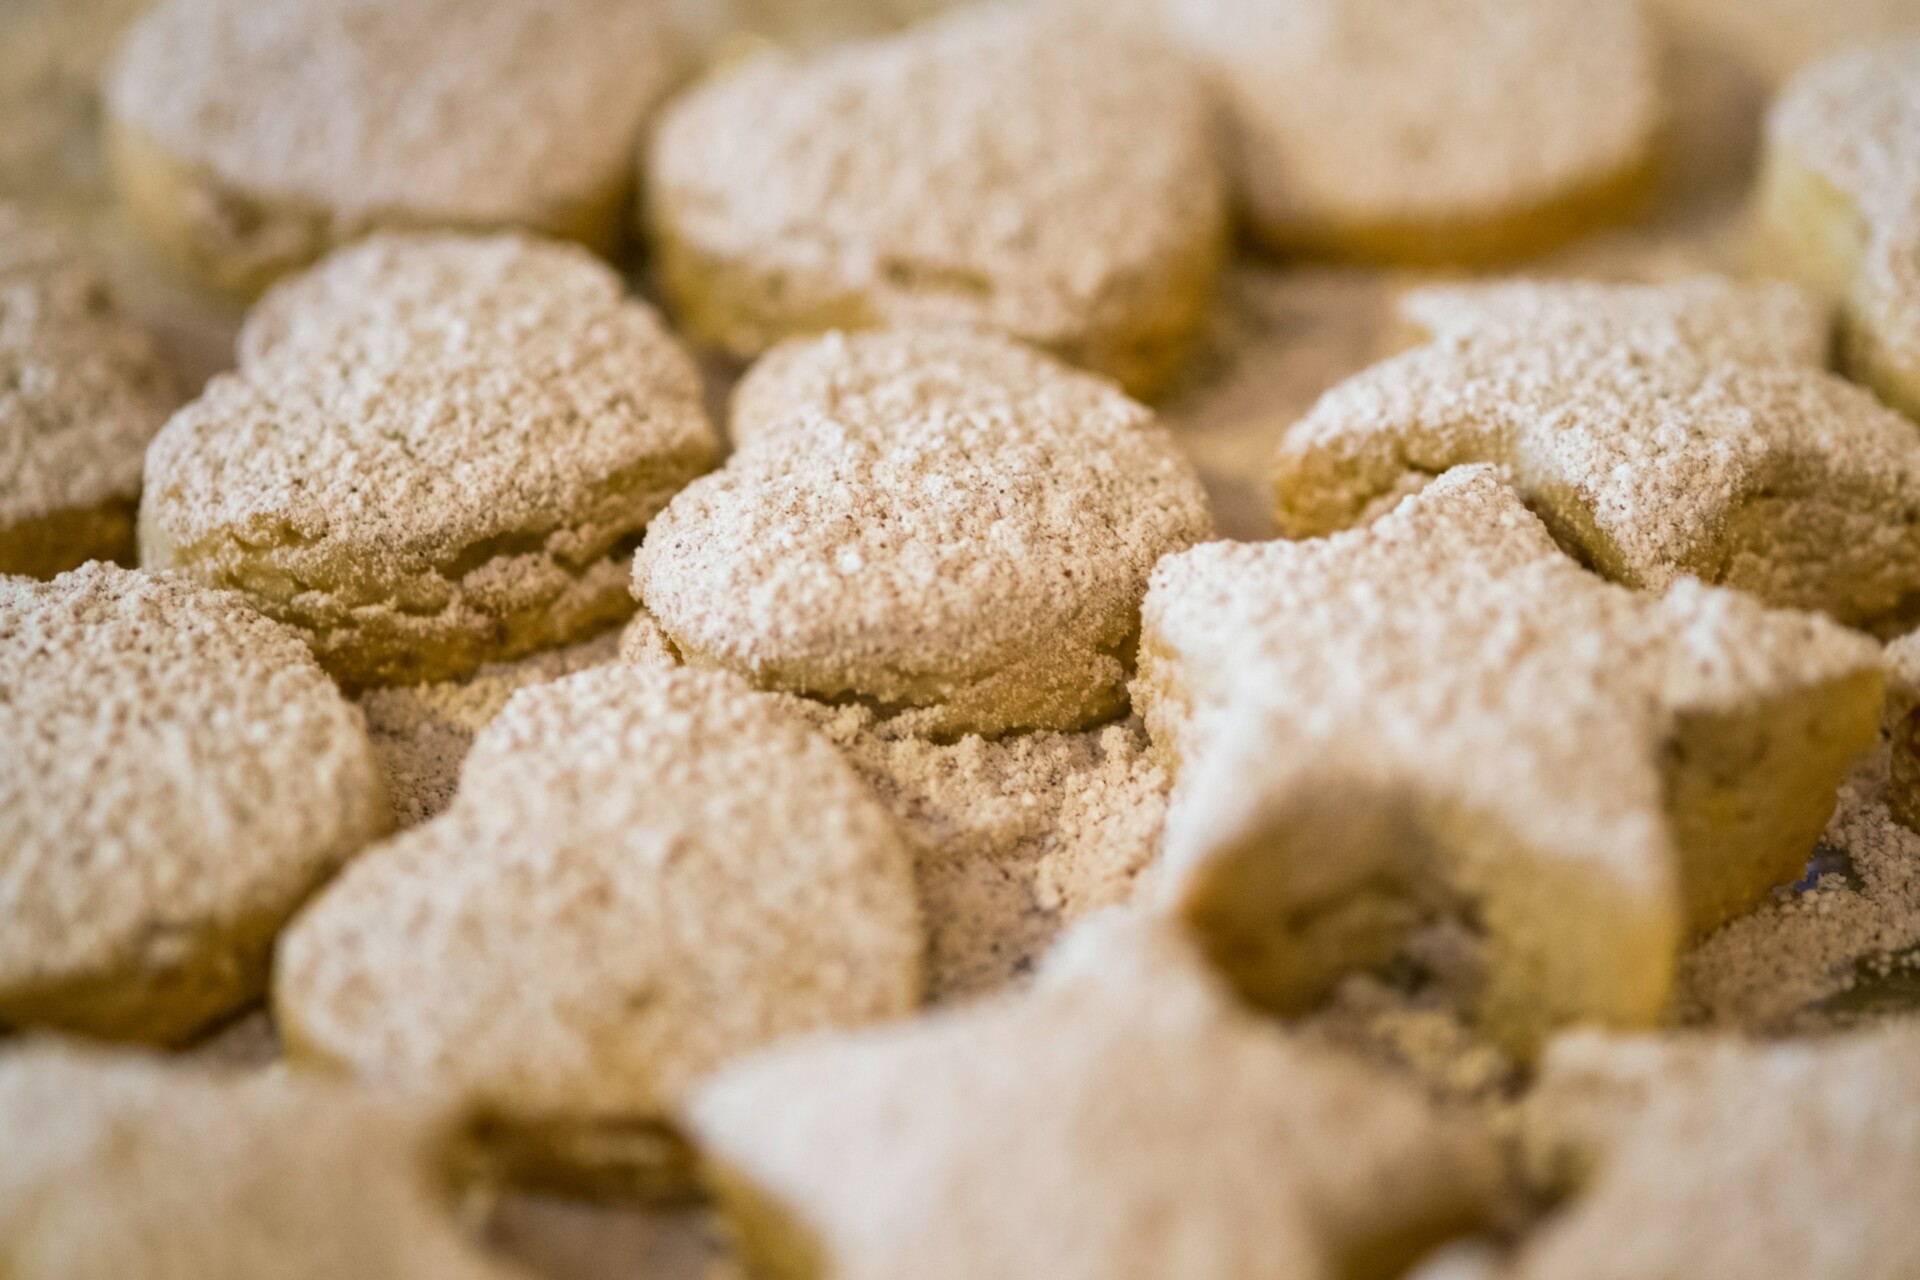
point(644, 873)
point(438, 451)
point(1442, 131)
point(81, 393)
point(127, 1165)
point(1661, 431)
point(249, 138)
point(927, 521)
point(1123, 1120)
point(1719, 1159)
point(1443, 714)
point(1006, 166)
point(178, 776)
point(1839, 205)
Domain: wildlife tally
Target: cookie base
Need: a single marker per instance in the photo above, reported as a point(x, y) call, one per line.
point(47, 546)
point(236, 241)
point(742, 308)
point(1465, 241)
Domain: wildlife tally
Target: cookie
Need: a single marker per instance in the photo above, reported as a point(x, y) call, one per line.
point(81, 393)
point(438, 451)
point(1447, 131)
point(179, 776)
point(1005, 167)
point(1721, 1159)
point(1839, 205)
point(645, 872)
point(1122, 1120)
point(1442, 713)
point(929, 521)
point(125, 1165)
point(1662, 431)
point(248, 138)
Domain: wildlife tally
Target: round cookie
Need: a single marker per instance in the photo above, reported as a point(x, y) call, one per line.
point(122, 1165)
point(250, 137)
point(931, 521)
point(1443, 131)
point(179, 775)
point(81, 393)
point(1839, 205)
point(1006, 167)
point(438, 451)
point(644, 873)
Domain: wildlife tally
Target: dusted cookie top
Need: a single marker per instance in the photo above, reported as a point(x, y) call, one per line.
point(1854, 119)
point(1395, 129)
point(432, 441)
point(926, 519)
point(1443, 707)
point(1840, 204)
point(179, 775)
point(1719, 1159)
point(1124, 1120)
point(1662, 432)
point(81, 393)
point(645, 872)
point(123, 1166)
point(463, 112)
point(1005, 166)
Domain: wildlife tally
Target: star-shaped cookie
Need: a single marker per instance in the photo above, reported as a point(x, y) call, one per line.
point(1660, 431)
point(1839, 205)
point(127, 1165)
point(1716, 1159)
point(1124, 1119)
point(1443, 712)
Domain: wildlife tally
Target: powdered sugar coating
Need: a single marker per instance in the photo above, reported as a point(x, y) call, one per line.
point(1443, 706)
point(1013, 839)
point(1005, 166)
point(81, 392)
point(1722, 1159)
point(436, 452)
point(926, 519)
point(1662, 431)
point(179, 776)
point(381, 112)
point(1851, 127)
point(1351, 114)
point(1122, 1120)
point(124, 1165)
point(645, 872)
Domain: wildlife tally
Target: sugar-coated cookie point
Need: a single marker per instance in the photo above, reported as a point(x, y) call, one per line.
point(249, 138)
point(1661, 431)
point(1124, 1119)
point(122, 1165)
point(933, 522)
point(178, 777)
point(1440, 709)
point(645, 872)
point(438, 451)
point(1006, 166)
point(81, 393)
point(1718, 1158)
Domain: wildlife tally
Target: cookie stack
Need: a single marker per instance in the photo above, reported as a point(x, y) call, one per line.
point(689, 663)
